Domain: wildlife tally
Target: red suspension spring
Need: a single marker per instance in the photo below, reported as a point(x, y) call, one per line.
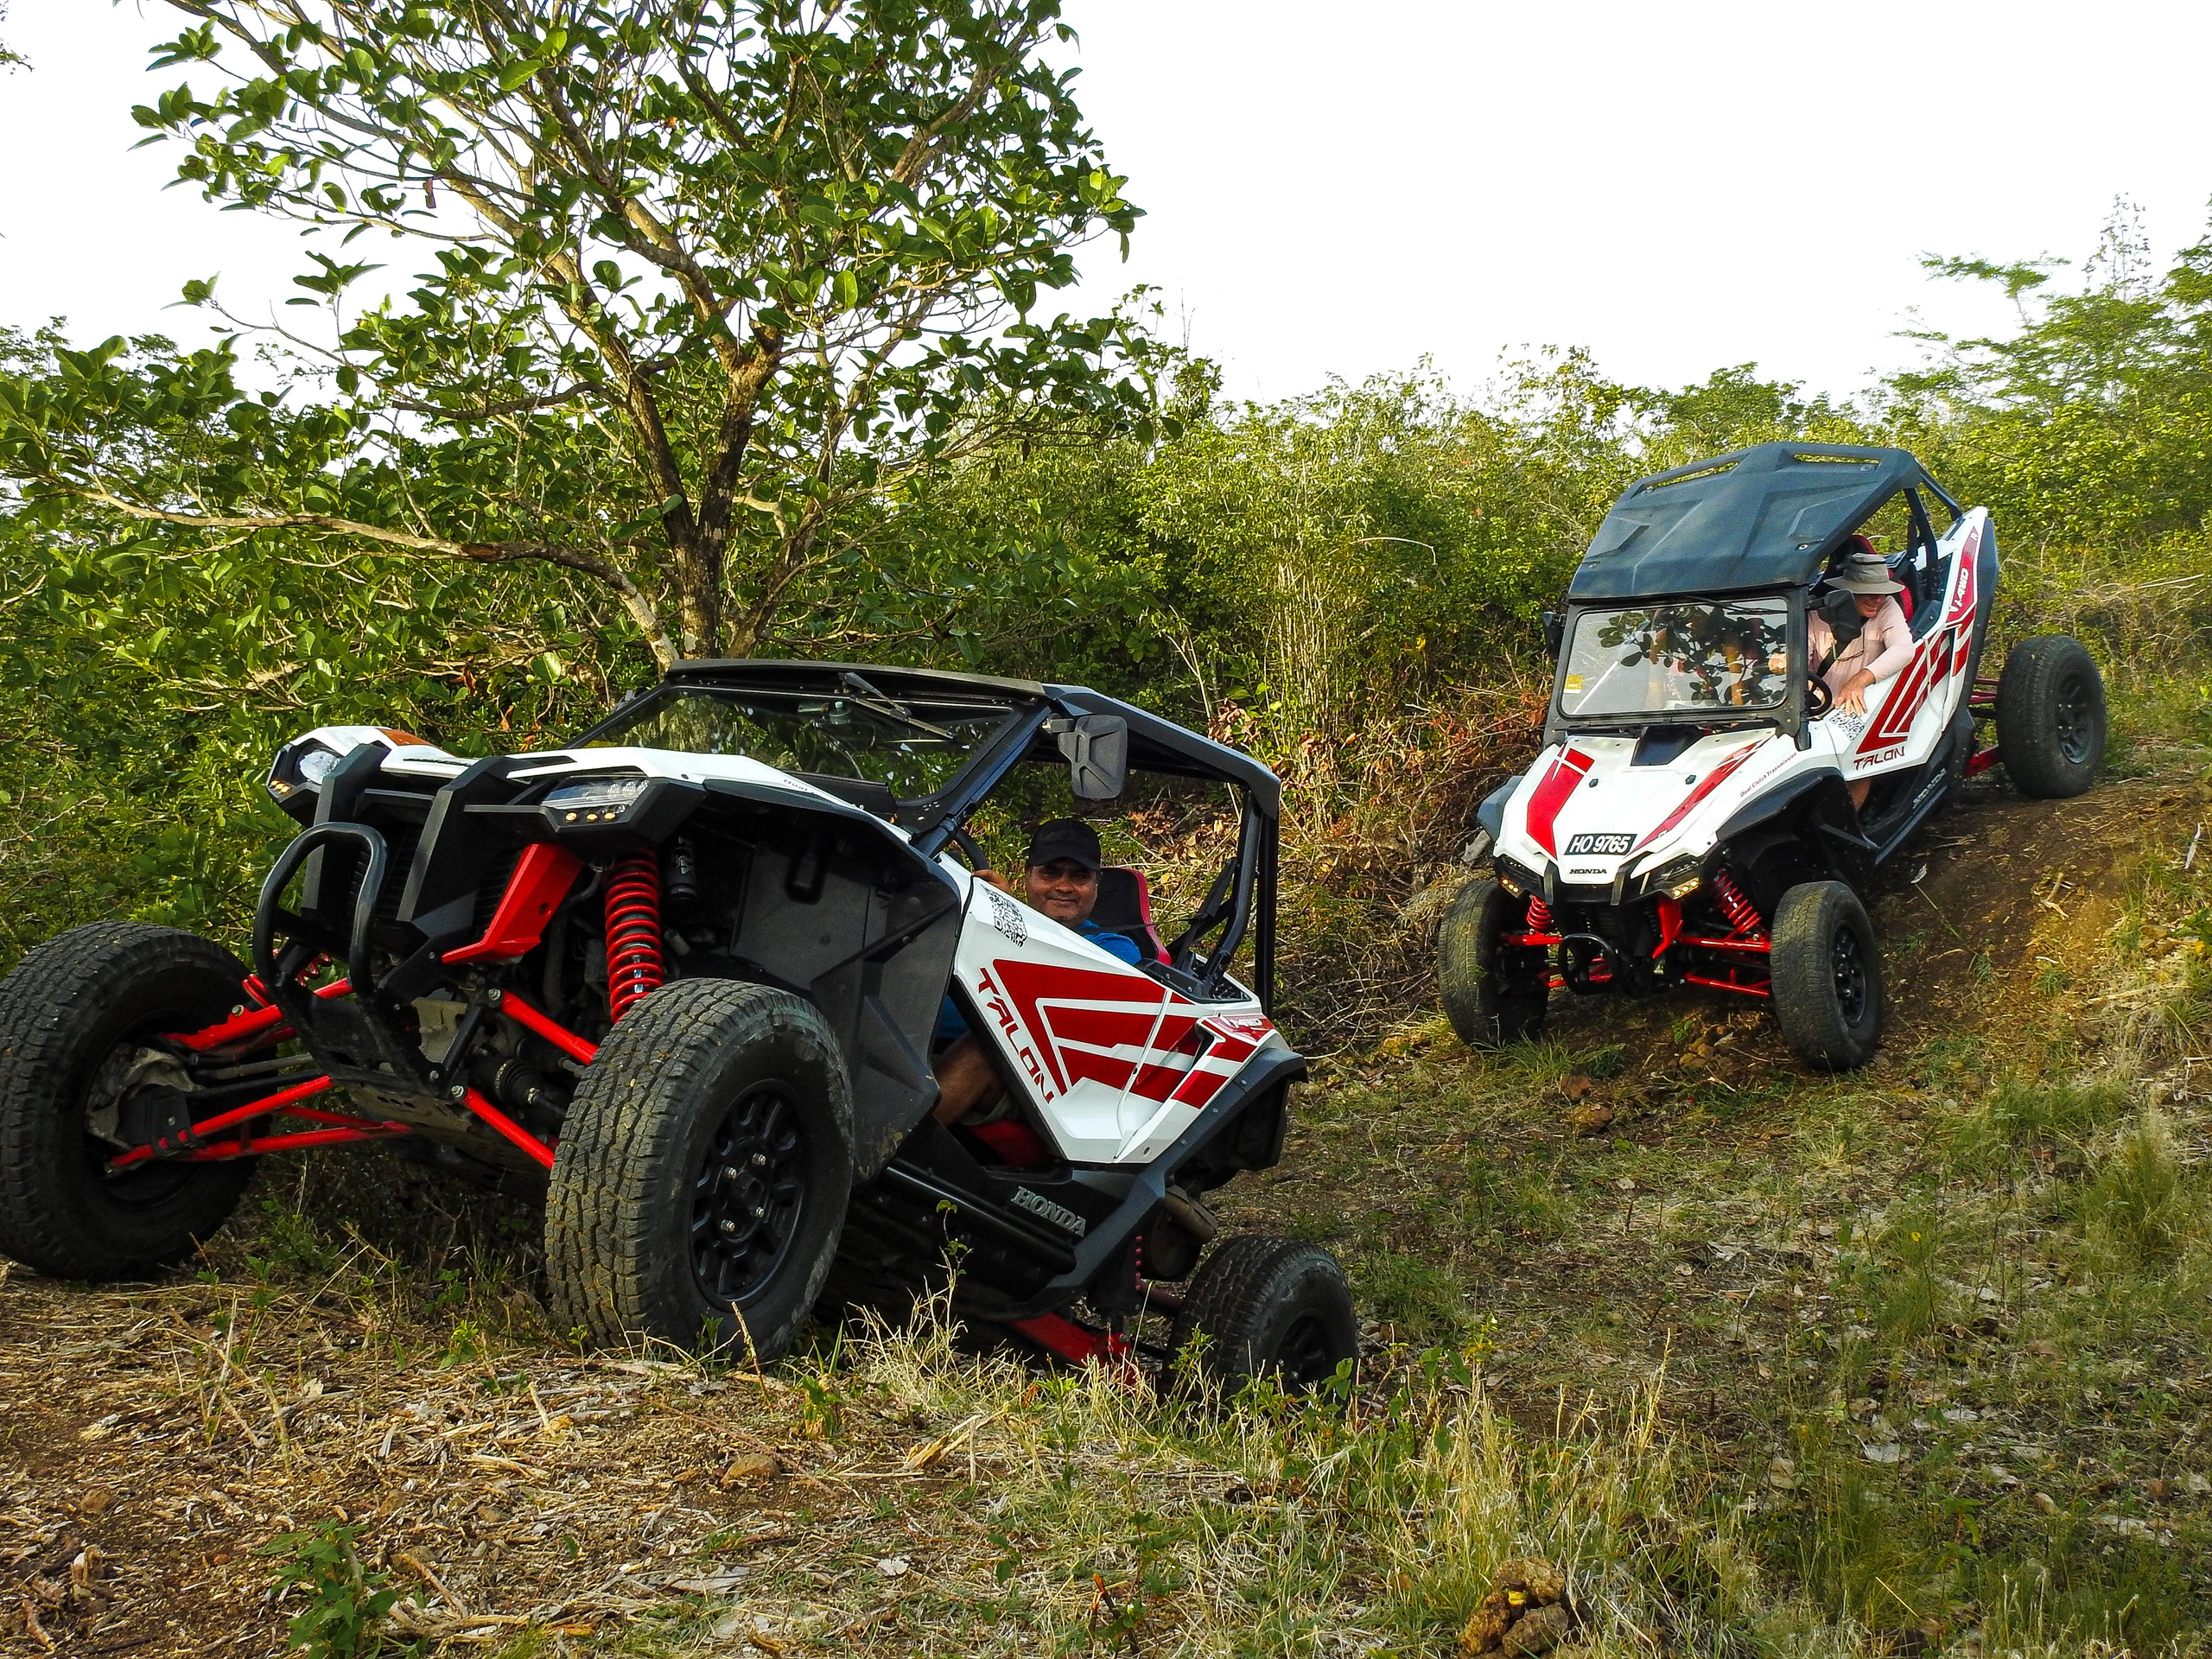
point(634, 964)
point(1738, 910)
point(1540, 914)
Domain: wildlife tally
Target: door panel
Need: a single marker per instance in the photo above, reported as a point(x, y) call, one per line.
point(1906, 719)
point(1118, 1063)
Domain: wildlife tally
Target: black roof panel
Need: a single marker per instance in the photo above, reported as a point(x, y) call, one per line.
point(1155, 744)
point(1770, 516)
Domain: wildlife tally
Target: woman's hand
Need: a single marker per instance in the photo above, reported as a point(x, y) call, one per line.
point(1852, 697)
point(1778, 662)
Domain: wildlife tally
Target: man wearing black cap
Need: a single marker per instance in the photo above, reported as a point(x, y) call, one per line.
point(1061, 882)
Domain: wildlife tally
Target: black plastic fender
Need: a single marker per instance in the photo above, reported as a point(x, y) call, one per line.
point(1490, 815)
point(1815, 808)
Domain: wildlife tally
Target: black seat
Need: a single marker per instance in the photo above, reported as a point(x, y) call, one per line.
point(1125, 907)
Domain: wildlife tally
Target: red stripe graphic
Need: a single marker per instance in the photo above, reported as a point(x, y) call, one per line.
point(1713, 779)
point(1551, 795)
point(1964, 598)
point(1902, 703)
point(1029, 985)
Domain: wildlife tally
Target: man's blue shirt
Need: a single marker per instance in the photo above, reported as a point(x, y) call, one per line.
point(1114, 945)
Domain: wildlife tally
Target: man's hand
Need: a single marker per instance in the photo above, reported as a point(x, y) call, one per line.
point(1852, 697)
point(992, 878)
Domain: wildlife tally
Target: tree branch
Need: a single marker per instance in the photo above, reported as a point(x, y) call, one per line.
point(634, 600)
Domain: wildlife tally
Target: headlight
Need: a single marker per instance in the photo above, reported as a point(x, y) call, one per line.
point(1678, 878)
point(595, 800)
point(1516, 879)
point(298, 773)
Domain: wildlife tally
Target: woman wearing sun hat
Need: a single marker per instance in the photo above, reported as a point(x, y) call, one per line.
point(1884, 643)
point(1881, 650)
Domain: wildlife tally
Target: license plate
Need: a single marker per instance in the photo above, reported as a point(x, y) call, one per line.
point(1599, 843)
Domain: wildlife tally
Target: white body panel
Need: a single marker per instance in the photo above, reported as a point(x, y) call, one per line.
point(1118, 1063)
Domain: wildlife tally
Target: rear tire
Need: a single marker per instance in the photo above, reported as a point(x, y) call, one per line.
point(72, 1006)
point(2051, 717)
point(703, 1171)
point(1269, 1306)
point(1826, 977)
point(1492, 993)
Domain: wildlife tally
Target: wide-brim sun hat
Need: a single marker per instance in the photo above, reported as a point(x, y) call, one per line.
point(1864, 575)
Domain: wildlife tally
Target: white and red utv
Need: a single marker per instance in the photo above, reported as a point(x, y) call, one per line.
point(1690, 820)
point(683, 978)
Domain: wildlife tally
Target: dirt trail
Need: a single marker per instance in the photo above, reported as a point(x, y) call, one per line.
point(1992, 890)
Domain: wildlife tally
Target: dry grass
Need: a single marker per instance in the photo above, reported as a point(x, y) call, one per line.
point(889, 1493)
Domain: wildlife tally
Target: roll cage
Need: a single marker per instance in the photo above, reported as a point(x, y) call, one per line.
point(1045, 719)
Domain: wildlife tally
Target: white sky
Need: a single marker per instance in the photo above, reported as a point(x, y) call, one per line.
point(1677, 187)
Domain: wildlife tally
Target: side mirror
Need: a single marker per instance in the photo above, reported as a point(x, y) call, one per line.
point(1555, 634)
point(1098, 748)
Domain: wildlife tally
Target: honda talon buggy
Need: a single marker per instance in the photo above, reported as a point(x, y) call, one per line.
point(687, 979)
point(1708, 806)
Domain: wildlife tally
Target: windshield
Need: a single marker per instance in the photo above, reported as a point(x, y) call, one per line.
point(1683, 656)
point(912, 746)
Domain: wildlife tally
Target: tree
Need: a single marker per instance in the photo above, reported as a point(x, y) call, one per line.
point(709, 274)
point(2089, 423)
point(9, 59)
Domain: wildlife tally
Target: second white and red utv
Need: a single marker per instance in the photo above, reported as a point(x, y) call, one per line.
point(1690, 821)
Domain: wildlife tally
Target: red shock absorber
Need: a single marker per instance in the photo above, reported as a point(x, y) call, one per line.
point(1540, 914)
point(1738, 910)
point(634, 964)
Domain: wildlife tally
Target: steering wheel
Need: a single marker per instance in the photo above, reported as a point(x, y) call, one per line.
point(1818, 698)
point(969, 848)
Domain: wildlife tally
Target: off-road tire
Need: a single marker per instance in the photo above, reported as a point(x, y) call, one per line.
point(639, 1194)
point(2051, 717)
point(1826, 977)
point(1264, 1307)
point(69, 1005)
point(1958, 751)
point(1487, 1006)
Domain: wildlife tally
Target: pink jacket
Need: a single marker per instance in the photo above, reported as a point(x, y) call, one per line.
point(1884, 645)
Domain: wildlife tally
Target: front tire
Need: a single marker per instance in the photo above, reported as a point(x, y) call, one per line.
point(1268, 1307)
point(703, 1171)
point(2051, 717)
point(1492, 993)
point(80, 1013)
point(1826, 977)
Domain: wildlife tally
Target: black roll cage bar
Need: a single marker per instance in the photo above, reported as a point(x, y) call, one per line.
point(1156, 746)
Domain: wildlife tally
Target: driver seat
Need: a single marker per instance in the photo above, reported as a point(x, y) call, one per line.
point(1124, 907)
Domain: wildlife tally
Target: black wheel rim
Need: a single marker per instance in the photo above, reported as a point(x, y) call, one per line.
point(2076, 716)
point(154, 1182)
point(1306, 1358)
point(1848, 960)
point(747, 1196)
point(1523, 971)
